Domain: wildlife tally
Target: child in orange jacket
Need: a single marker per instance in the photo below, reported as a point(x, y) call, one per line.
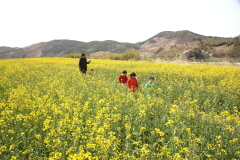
point(132, 82)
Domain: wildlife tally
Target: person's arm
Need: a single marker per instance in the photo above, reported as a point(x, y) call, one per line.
point(125, 80)
point(137, 83)
point(129, 83)
point(120, 79)
point(146, 86)
point(88, 61)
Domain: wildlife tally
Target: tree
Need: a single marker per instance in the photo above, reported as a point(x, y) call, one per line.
point(131, 54)
point(196, 54)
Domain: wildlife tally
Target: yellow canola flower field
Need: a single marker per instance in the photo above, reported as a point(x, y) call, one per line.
point(50, 111)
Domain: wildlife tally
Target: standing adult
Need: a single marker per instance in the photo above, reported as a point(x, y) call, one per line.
point(83, 63)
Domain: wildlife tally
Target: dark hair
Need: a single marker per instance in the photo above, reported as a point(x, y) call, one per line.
point(132, 74)
point(83, 55)
point(151, 78)
point(124, 71)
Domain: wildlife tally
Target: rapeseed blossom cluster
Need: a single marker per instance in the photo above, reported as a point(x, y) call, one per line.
point(50, 111)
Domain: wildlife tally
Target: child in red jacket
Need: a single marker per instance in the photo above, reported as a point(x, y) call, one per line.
point(123, 78)
point(132, 82)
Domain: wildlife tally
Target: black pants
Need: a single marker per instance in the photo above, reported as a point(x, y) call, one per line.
point(83, 70)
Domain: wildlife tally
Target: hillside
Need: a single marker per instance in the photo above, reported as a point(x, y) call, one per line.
point(169, 41)
point(58, 48)
point(168, 45)
point(172, 45)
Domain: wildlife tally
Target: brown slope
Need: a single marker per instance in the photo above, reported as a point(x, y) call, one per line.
point(169, 42)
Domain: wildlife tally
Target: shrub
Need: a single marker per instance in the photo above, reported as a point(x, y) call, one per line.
point(152, 41)
point(73, 55)
point(113, 56)
point(131, 54)
point(196, 54)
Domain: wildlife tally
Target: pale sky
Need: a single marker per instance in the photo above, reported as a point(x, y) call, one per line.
point(26, 22)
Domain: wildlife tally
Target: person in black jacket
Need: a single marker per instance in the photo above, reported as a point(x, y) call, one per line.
point(83, 63)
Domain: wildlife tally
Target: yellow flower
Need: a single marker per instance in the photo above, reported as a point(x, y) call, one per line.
point(159, 132)
point(13, 158)
point(143, 129)
point(188, 130)
point(177, 156)
point(170, 122)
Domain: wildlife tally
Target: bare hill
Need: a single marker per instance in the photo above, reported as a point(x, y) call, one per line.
point(167, 40)
point(171, 45)
point(58, 48)
point(167, 44)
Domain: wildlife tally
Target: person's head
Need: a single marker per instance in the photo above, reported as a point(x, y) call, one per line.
point(124, 72)
point(151, 79)
point(91, 72)
point(133, 75)
point(83, 55)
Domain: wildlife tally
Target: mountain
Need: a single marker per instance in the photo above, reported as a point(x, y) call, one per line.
point(52, 48)
point(58, 48)
point(167, 40)
point(170, 45)
point(167, 44)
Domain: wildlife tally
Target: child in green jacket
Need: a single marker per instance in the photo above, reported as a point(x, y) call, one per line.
point(149, 87)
